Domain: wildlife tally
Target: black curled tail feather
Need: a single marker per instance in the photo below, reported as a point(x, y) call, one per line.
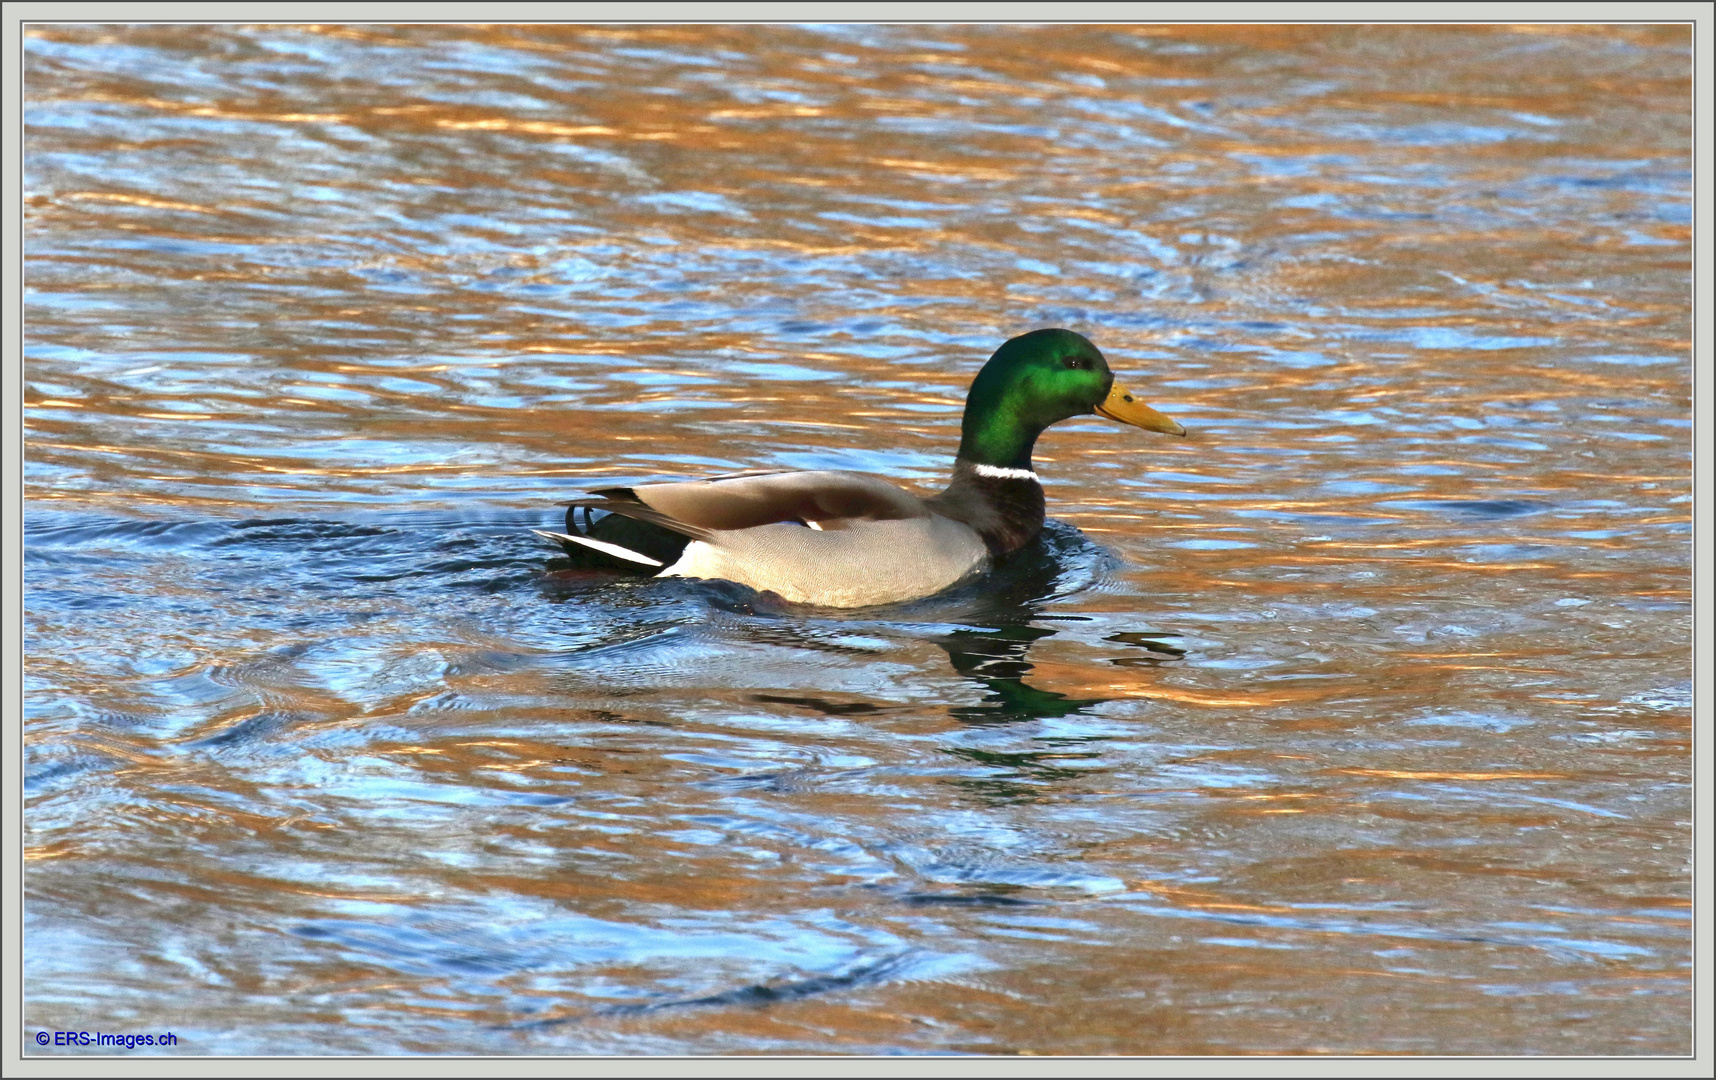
point(638, 511)
point(626, 527)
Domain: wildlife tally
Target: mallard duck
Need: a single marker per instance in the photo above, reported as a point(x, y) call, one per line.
point(844, 539)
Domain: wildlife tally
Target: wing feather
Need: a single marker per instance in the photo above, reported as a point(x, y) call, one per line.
point(748, 500)
point(644, 512)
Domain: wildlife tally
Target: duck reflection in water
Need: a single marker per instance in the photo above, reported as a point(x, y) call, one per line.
point(998, 626)
point(998, 630)
point(998, 617)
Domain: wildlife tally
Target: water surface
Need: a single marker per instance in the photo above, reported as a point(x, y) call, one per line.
point(1359, 722)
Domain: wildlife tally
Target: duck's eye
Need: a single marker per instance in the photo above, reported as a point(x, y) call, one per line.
point(1078, 363)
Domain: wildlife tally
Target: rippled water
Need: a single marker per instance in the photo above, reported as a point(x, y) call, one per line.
point(1357, 722)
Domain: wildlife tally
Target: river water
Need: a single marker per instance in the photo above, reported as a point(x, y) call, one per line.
point(1357, 722)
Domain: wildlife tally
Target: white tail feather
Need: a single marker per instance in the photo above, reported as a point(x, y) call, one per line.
point(603, 546)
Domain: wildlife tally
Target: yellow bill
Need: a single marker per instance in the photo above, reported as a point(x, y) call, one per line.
point(1122, 406)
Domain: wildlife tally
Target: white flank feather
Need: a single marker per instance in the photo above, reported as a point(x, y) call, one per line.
point(603, 546)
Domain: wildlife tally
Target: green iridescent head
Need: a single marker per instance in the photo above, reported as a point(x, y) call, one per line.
point(1038, 379)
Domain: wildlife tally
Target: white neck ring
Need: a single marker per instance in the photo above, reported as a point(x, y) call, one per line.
point(997, 472)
